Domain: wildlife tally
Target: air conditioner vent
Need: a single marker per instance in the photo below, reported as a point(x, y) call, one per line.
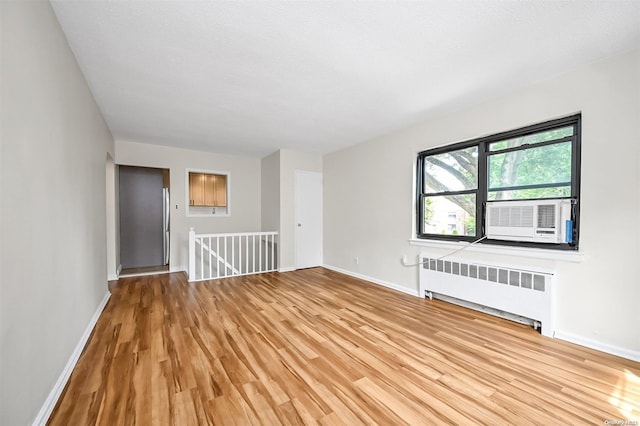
point(547, 216)
point(521, 216)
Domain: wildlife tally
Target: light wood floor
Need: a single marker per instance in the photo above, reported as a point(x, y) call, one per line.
point(318, 347)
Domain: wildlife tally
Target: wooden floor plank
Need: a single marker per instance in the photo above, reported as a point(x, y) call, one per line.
point(317, 347)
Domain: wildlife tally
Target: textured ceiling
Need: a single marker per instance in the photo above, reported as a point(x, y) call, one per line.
point(251, 77)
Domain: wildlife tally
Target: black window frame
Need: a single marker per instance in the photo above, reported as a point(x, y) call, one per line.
point(481, 192)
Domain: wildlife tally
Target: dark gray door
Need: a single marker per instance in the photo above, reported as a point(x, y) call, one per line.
point(141, 217)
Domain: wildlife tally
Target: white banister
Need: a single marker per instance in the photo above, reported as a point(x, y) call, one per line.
point(217, 251)
point(192, 253)
point(210, 259)
point(223, 255)
point(213, 254)
point(240, 251)
point(201, 256)
point(260, 252)
point(273, 251)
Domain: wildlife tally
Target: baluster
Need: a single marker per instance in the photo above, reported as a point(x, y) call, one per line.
point(260, 252)
point(240, 254)
point(201, 258)
point(268, 249)
point(217, 256)
point(192, 254)
point(266, 253)
point(224, 260)
point(210, 259)
point(273, 252)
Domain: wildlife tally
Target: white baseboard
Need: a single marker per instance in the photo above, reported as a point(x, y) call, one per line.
point(52, 398)
point(598, 346)
point(392, 286)
point(287, 269)
point(119, 270)
point(112, 278)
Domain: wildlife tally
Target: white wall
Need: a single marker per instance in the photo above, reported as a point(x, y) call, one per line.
point(113, 236)
point(278, 198)
point(369, 199)
point(290, 161)
point(244, 191)
point(52, 180)
point(270, 188)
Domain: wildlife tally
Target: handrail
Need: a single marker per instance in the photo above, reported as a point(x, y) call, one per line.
point(238, 234)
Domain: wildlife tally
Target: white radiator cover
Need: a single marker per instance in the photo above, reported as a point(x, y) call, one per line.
point(527, 293)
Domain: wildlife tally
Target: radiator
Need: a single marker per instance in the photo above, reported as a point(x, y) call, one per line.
point(521, 292)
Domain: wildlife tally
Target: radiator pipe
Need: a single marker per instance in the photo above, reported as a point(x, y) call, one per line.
point(443, 256)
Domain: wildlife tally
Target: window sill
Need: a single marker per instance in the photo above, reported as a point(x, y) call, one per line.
point(535, 253)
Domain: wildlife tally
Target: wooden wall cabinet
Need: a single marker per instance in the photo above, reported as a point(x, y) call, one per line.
point(207, 190)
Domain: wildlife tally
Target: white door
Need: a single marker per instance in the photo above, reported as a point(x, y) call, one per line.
point(308, 205)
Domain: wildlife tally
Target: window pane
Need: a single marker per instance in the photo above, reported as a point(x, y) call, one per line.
point(527, 194)
point(451, 171)
point(548, 135)
point(545, 165)
point(450, 215)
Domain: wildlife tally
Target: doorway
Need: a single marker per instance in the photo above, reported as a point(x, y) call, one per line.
point(308, 215)
point(144, 219)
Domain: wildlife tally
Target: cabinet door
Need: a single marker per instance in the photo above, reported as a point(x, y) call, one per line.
point(221, 191)
point(210, 190)
point(196, 189)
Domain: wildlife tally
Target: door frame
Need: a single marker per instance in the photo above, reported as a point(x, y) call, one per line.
point(165, 220)
point(297, 173)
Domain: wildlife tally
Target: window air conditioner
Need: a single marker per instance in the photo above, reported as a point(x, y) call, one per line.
point(539, 221)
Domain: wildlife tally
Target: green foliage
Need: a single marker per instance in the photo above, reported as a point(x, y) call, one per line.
point(534, 166)
point(453, 171)
point(470, 225)
point(532, 139)
point(428, 210)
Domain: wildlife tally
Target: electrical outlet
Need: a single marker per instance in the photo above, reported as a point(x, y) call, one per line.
point(404, 259)
point(357, 260)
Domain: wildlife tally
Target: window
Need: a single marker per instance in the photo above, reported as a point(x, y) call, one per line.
point(455, 182)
